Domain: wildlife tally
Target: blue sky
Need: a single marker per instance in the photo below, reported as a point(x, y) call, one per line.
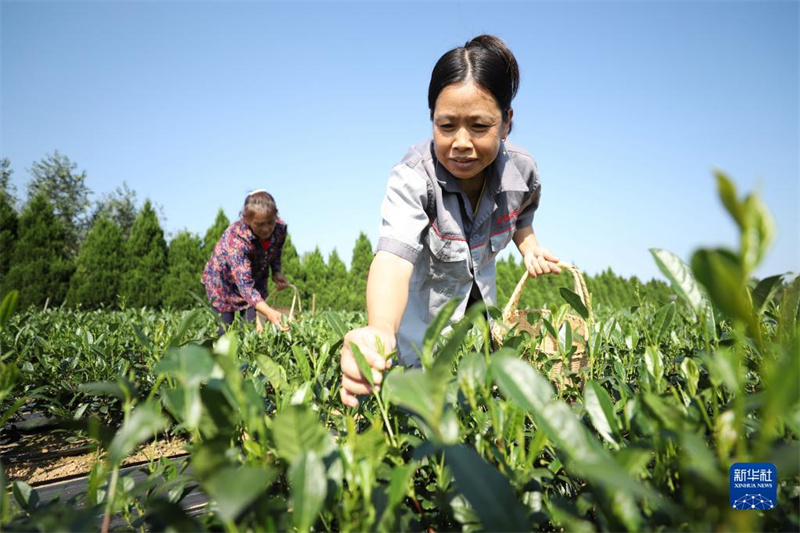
point(627, 107)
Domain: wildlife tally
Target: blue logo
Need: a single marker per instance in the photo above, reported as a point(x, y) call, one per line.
point(754, 486)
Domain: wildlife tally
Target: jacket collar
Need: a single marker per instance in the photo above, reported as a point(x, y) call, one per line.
point(243, 230)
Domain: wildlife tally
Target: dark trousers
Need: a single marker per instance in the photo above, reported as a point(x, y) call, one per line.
point(227, 317)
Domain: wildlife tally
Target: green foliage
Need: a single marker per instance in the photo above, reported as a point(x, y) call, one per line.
point(118, 206)
point(315, 279)
point(185, 268)
point(359, 269)
point(291, 266)
point(98, 273)
point(9, 219)
point(641, 440)
point(145, 260)
point(213, 233)
point(6, 187)
point(9, 227)
point(336, 294)
point(40, 268)
point(55, 177)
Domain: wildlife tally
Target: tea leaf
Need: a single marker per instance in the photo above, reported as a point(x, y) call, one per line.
point(187, 321)
point(722, 275)
point(434, 330)
point(296, 430)
point(487, 490)
point(9, 375)
point(680, 276)
point(765, 291)
point(234, 489)
point(5, 501)
point(302, 362)
point(25, 495)
point(363, 365)
point(691, 374)
point(8, 307)
point(662, 321)
point(601, 412)
point(565, 337)
point(520, 383)
point(727, 193)
point(574, 300)
point(144, 422)
point(336, 324)
point(654, 362)
point(412, 390)
point(306, 477)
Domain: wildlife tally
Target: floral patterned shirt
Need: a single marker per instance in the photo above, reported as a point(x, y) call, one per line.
point(237, 274)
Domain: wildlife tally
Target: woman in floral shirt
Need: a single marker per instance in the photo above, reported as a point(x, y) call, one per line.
point(236, 275)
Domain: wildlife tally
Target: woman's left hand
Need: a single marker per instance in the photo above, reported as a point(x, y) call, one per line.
point(540, 261)
point(280, 281)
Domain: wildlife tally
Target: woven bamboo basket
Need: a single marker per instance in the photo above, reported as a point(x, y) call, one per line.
point(289, 311)
point(514, 318)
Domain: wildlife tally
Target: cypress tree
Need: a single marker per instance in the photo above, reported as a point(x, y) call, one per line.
point(6, 187)
point(291, 266)
point(620, 291)
point(337, 295)
point(184, 271)
point(145, 260)
point(9, 224)
point(359, 269)
point(98, 269)
point(657, 291)
point(315, 278)
point(213, 234)
point(118, 206)
point(9, 220)
point(40, 268)
point(55, 176)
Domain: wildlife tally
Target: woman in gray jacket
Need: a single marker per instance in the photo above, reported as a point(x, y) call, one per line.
point(451, 205)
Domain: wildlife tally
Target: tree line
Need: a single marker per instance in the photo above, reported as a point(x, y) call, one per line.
point(58, 248)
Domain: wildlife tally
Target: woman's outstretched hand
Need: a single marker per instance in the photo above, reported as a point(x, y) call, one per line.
point(274, 316)
point(353, 382)
point(280, 281)
point(540, 261)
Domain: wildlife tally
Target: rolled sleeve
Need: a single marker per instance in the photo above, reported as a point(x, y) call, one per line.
point(531, 203)
point(403, 214)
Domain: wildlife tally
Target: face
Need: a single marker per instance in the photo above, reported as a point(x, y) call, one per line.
point(263, 223)
point(467, 128)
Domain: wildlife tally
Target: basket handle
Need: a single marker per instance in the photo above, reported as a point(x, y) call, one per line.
point(579, 287)
point(295, 299)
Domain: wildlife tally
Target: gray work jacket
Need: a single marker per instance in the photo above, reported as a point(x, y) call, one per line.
point(427, 219)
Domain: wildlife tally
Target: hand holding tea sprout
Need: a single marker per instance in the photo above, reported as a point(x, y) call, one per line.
point(387, 294)
point(376, 345)
point(273, 315)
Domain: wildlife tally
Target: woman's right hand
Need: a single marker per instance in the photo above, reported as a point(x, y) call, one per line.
point(353, 382)
point(275, 316)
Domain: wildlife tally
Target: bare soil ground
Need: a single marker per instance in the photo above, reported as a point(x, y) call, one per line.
point(39, 458)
